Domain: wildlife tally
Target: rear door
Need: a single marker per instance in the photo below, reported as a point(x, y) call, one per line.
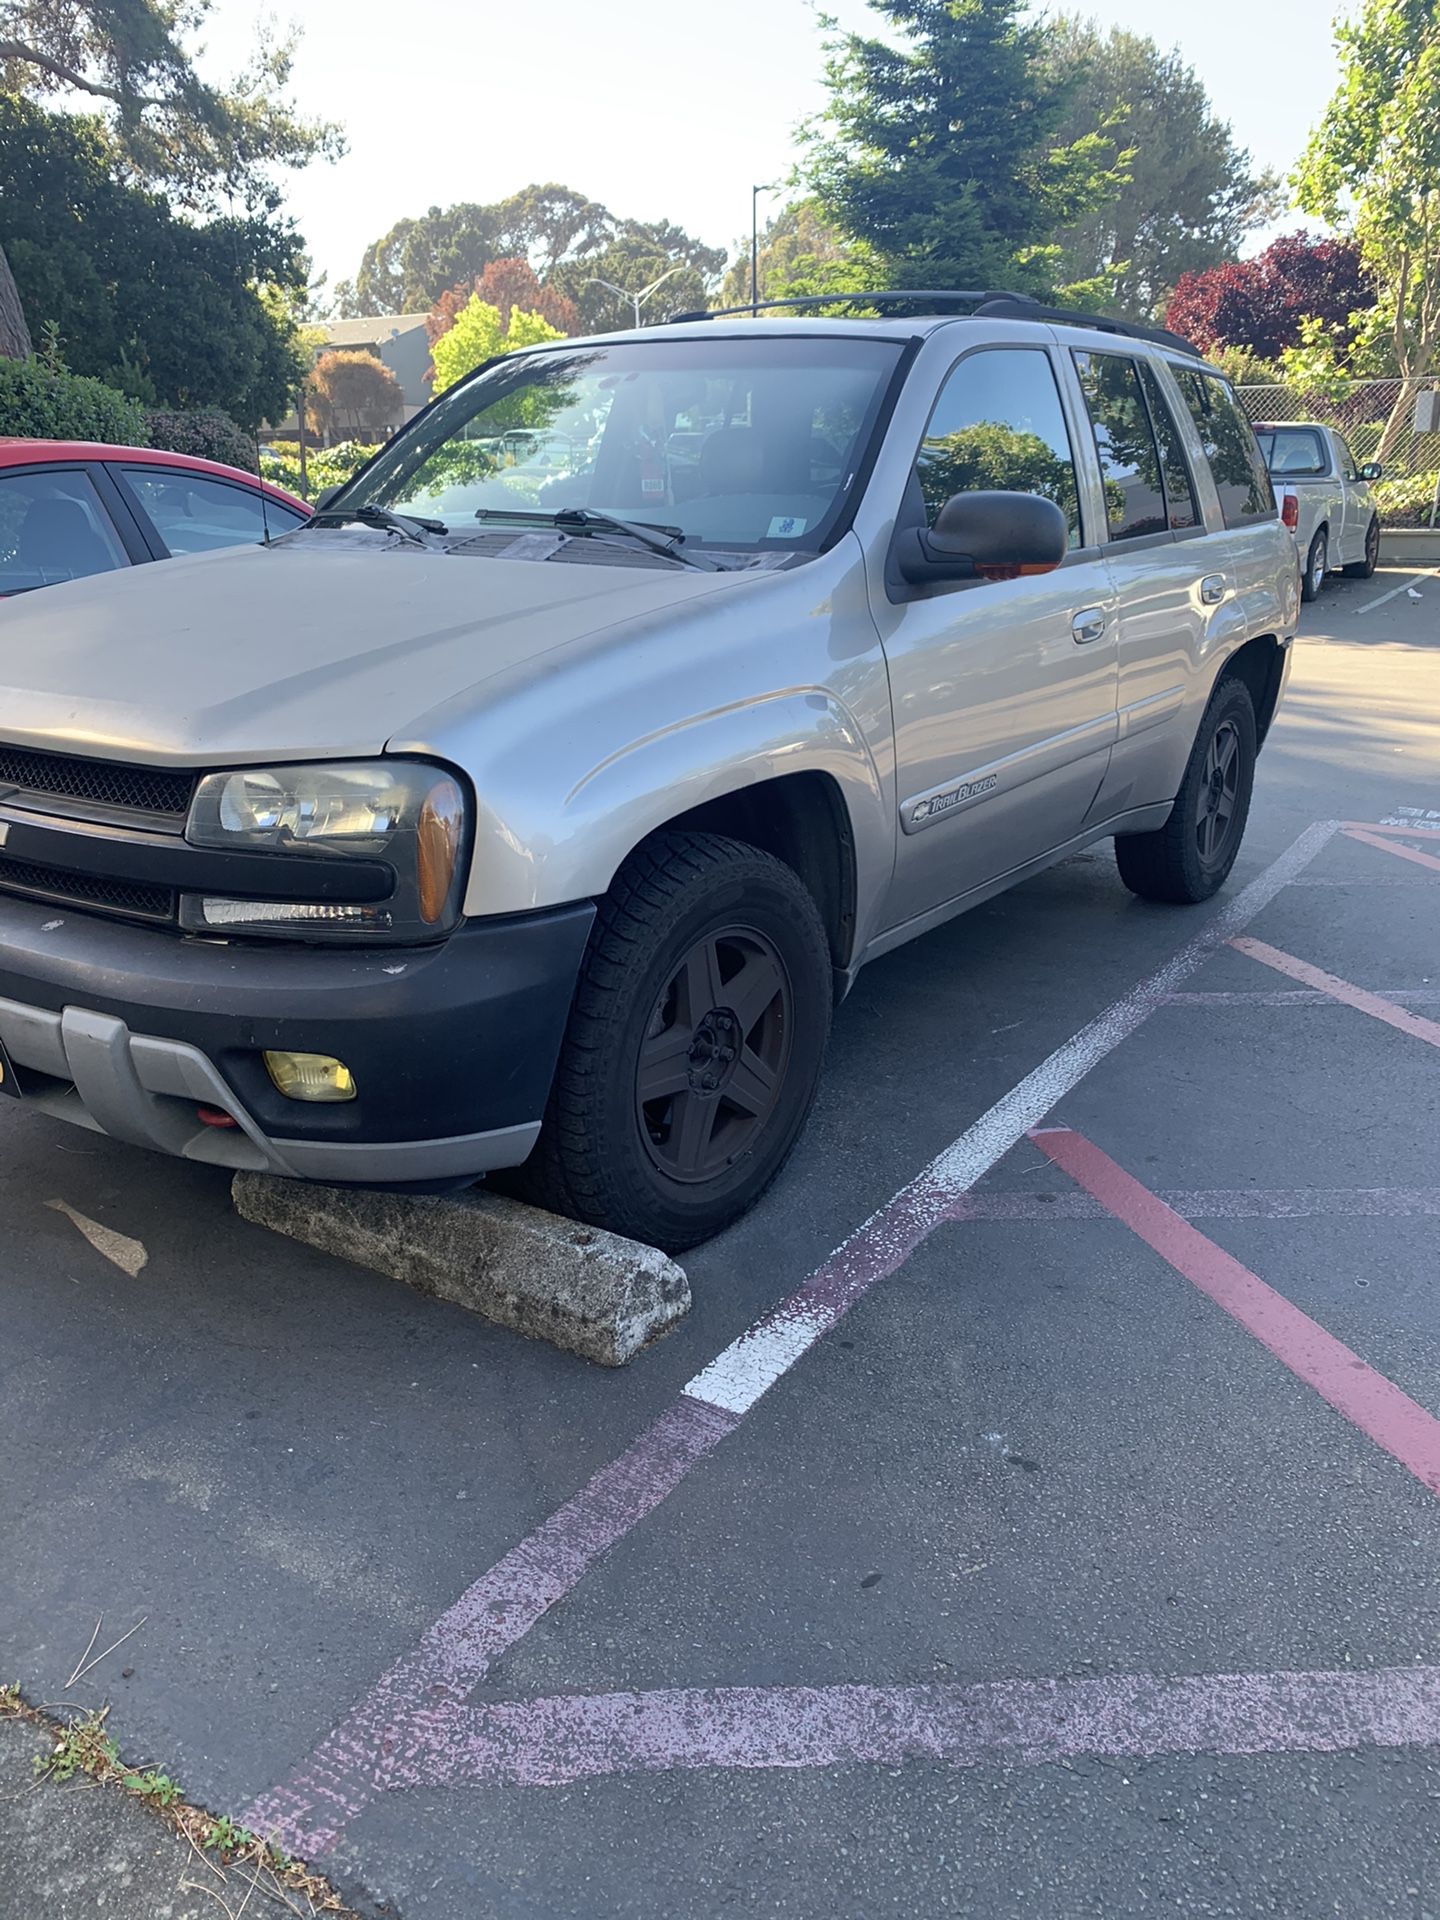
point(1160, 558)
point(1003, 690)
point(61, 522)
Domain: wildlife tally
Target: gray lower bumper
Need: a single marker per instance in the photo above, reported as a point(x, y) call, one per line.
point(145, 1090)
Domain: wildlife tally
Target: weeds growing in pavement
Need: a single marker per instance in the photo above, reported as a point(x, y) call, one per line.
point(82, 1746)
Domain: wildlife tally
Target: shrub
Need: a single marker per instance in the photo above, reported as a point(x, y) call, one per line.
point(208, 432)
point(39, 403)
point(1405, 501)
point(325, 467)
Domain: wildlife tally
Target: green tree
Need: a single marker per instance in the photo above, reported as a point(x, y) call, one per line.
point(411, 266)
point(1376, 155)
point(1192, 194)
point(478, 335)
point(134, 60)
point(943, 149)
point(566, 239)
point(634, 257)
point(172, 311)
point(801, 252)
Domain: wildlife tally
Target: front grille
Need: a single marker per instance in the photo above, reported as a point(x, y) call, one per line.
point(151, 790)
point(131, 897)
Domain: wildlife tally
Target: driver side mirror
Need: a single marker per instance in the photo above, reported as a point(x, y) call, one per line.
point(1372, 471)
point(984, 536)
point(326, 495)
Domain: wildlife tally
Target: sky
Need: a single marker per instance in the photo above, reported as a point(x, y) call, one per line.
point(659, 108)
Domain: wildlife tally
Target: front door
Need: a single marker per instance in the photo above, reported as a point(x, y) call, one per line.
point(1003, 691)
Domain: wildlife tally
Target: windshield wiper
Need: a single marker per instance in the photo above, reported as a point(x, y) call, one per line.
point(587, 520)
point(408, 525)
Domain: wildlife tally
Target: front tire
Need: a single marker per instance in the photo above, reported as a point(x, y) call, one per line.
point(1317, 563)
point(694, 1046)
point(1190, 857)
point(1365, 569)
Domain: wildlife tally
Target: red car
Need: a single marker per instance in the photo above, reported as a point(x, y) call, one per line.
point(73, 507)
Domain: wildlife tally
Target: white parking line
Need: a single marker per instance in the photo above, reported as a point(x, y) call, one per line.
point(1429, 573)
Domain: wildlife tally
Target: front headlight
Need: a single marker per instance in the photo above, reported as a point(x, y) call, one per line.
point(406, 814)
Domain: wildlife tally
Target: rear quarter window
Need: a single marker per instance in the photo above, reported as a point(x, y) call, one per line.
point(1241, 477)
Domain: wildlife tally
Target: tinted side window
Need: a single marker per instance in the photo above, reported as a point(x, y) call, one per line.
point(1230, 446)
point(1129, 462)
point(1179, 492)
point(1349, 466)
point(998, 423)
point(193, 514)
point(52, 528)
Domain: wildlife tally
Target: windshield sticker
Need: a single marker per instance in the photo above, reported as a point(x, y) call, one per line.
point(784, 526)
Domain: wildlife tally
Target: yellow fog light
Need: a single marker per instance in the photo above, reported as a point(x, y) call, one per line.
point(310, 1076)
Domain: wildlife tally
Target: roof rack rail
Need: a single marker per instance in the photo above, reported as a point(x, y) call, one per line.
point(889, 295)
point(1020, 306)
point(992, 303)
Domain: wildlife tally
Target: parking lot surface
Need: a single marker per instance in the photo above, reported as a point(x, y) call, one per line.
point(1036, 1513)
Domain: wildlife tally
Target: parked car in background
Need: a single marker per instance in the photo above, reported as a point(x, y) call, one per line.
point(69, 508)
point(1338, 528)
point(483, 821)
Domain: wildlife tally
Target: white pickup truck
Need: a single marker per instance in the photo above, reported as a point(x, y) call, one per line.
point(1339, 524)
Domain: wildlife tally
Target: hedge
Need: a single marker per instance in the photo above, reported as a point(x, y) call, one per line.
point(36, 404)
point(206, 431)
point(1405, 500)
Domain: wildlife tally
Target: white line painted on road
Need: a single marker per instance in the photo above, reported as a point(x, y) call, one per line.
point(364, 1756)
point(118, 1248)
point(735, 1379)
point(1430, 573)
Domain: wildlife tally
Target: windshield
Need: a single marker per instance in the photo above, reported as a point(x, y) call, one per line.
point(737, 443)
point(1293, 450)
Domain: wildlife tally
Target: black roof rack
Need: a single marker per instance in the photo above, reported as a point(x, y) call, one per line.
point(1019, 306)
point(989, 303)
point(905, 296)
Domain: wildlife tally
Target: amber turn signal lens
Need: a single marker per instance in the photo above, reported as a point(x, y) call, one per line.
point(310, 1076)
point(438, 848)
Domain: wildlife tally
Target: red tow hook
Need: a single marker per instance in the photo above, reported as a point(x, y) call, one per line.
point(215, 1117)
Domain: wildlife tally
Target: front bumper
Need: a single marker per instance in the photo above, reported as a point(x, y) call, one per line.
point(129, 1030)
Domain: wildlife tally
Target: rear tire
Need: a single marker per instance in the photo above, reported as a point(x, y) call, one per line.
point(1365, 569)
point(1317, 562)
point(694, 1046)
point(1190, 857)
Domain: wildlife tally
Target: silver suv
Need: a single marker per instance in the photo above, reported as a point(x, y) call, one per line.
point(540, 813)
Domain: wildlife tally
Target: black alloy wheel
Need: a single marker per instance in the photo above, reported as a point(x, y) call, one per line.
point(1217, 793)
point(714, 1055)
point(694, 1046)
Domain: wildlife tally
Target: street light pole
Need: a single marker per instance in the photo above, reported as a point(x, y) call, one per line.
point(755, 193)
point(637, 300)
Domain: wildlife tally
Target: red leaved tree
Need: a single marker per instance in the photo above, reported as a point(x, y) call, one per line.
point(352, 396)
point(1259, 304)
point(505, 284)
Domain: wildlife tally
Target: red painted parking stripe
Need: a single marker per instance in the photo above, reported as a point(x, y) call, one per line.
point(1415, 1024)
point(1391, 826)
point(1393, 846)
point(558, 1740)
point(363, 1756)
point(1366, 1398)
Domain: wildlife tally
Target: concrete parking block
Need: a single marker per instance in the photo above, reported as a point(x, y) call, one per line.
point(590, 1292)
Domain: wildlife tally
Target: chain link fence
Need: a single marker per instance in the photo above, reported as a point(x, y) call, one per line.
point(1379, 421)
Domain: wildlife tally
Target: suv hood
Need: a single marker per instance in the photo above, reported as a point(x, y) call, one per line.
point(323, 646)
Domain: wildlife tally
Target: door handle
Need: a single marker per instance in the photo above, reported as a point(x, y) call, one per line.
point(1212, 589)
point(1088, 625)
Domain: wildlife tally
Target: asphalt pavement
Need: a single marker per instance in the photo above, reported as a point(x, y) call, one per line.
point(1062, 1540)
